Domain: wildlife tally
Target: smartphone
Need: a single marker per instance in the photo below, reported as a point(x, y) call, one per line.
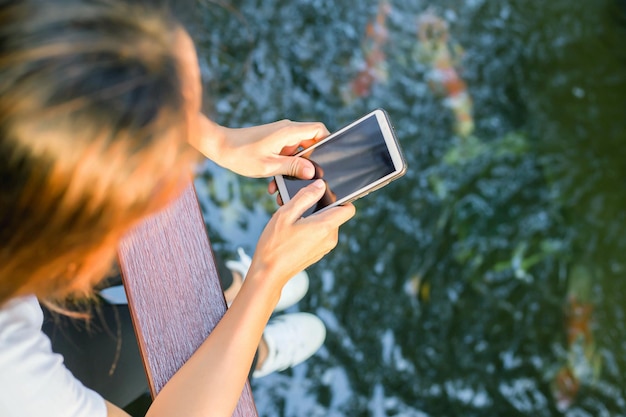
point(354, 161)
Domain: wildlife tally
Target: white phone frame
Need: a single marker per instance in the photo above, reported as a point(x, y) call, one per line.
point(399, 164)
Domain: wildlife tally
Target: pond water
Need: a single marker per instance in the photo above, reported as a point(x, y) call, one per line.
point(490, 279)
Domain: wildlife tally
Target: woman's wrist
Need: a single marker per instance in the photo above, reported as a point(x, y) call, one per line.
point(264, 284)
point(212, 139)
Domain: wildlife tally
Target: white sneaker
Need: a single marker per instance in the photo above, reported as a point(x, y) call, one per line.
point(293, 291)
point(291, 339)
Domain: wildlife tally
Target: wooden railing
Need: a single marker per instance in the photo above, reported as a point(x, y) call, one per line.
point(174, 291)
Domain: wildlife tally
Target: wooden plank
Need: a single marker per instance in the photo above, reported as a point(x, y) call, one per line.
point(174, 292)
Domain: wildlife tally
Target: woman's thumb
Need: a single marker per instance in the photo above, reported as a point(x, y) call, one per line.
point(298, 167)
point(306, 198)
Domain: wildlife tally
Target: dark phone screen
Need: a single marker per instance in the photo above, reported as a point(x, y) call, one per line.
point(347, 163)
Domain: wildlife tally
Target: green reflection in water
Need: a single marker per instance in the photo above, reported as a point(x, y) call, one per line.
point(494, 269)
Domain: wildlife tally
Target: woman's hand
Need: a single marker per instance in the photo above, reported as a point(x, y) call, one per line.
point(291, 243)
point(261, 151)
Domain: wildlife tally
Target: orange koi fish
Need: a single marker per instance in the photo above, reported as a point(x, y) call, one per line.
point(436, 51)
point(375, 65)
point(583, 362)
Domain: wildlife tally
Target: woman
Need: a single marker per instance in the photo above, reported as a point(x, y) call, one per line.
point(98, 103)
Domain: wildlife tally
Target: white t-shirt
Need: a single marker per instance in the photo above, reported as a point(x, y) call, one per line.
point(33, 380)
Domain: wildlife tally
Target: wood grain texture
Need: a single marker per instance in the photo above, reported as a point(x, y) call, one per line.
point(174, 292)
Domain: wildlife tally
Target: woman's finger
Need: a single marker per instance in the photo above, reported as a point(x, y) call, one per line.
point(272, 187)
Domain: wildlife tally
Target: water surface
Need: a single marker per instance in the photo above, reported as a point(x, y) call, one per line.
point(489, 281)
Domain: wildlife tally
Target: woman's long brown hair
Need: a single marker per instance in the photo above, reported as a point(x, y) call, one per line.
point(92, 137)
